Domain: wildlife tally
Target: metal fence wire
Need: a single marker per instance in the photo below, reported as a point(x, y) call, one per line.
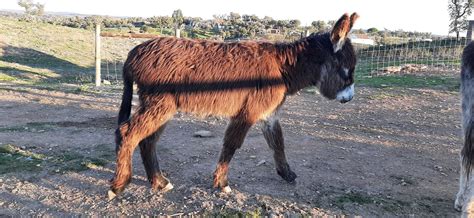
point(374, 59)
point(401, 56)
point(113, 53)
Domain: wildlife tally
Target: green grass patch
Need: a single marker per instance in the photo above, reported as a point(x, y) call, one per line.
point(36, 127)
point(36, 52)
point(51, 46)
point(410, 81)
point(14, 159)
point(86, 89)
point(5, 77)
point(11, 149)
point(354, 197)
point(76, 162)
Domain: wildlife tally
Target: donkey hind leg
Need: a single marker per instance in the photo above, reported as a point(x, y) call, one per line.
point(273, 135)
point(463, 185)
point(150, 161)
point(233, 139)
point(465, 197)
point(144, 123)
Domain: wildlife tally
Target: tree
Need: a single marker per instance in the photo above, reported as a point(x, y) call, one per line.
point(178, 18)
point(39, 9)
point(459, 10)
point(282, 24)
point(319, 25)
point(32, 9)
point(161, 22)
point(234, 17)
point(293, 24)
point(372, 30)
point(144, 29)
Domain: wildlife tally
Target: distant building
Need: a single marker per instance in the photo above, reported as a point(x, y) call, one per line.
point(361, 39)
point(273, 31)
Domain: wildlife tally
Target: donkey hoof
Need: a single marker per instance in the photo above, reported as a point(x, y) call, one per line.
point(111, 195)
point(167, 188)
point(458, 203)
point(290, 176)
point(114, 191)
point(226, 190)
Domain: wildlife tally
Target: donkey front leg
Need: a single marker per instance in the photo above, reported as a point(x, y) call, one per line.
point(150, 161)
point(274, 137)
point(233, 139)
point(142, 125)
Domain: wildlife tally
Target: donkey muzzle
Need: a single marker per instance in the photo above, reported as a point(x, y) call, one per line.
point(346, 94)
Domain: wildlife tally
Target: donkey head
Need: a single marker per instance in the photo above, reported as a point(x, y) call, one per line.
point(337, 74)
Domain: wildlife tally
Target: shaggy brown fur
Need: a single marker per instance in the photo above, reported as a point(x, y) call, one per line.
point(246, 81)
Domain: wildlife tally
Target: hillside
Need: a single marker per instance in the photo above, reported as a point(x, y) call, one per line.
point(38, 51)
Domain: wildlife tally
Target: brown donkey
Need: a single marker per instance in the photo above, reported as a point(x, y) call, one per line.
point(246, 81)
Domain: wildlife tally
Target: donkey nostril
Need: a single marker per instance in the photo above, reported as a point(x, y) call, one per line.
point(345, 100)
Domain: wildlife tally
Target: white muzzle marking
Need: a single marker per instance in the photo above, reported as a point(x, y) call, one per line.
point(346, 94)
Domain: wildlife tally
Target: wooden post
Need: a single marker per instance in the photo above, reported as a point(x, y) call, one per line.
point(305, 33)
point(97, 54)
point(177, 32)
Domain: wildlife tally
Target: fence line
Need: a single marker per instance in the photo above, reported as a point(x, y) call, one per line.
point(410, 56)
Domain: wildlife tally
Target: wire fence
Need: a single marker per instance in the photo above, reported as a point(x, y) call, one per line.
point(113, 53)
point(410, 56)
point(400, 55)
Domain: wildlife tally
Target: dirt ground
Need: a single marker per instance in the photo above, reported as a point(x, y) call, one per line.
point(387, 152)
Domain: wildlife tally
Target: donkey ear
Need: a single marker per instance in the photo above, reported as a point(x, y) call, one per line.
point(354, 17)
point(341, 30)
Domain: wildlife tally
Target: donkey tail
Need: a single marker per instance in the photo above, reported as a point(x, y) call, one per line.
point(126, 106)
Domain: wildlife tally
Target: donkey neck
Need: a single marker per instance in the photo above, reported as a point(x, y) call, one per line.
point(302, 62)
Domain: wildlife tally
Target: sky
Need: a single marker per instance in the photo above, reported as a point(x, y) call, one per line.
point(410, 15)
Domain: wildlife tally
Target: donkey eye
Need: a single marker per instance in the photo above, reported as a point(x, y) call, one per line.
point(344, 73)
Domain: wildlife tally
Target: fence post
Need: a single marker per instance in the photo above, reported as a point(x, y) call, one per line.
point(97, 54)
point(305, 33)
point(469, 30)
point(177, 32)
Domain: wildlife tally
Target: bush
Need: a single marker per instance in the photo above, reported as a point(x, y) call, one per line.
point(144, 29)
